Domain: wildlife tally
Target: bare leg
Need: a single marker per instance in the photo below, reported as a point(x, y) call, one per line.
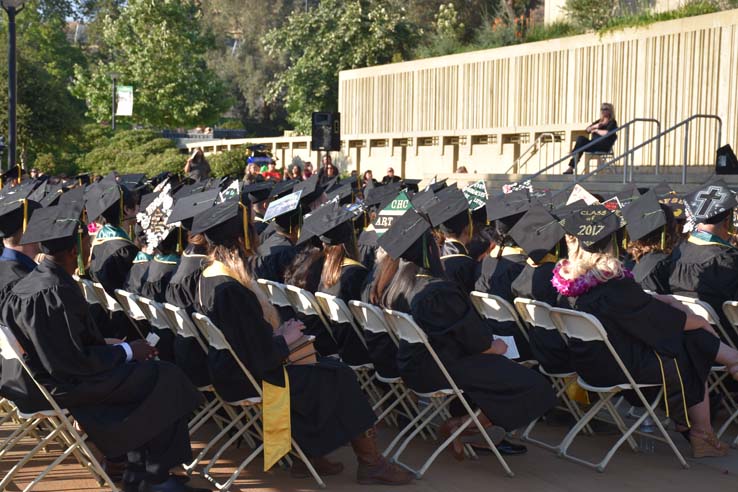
point(728, 356)
point(699, 415)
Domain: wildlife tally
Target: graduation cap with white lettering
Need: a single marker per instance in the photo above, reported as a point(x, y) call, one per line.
point(286, 212)
point(537, 232)
point(187, 207)
point(332, 223)
point(594, 226)
point(644, 216)
point(709, 201)
point(396, 207)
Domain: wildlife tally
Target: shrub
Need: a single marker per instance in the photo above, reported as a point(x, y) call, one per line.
point(228, 163)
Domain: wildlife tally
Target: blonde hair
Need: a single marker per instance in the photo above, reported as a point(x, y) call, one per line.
point(603, 265)
point(233, 257)
point(609, 108)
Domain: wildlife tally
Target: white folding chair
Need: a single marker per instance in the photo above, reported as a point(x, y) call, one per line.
point(372, 320)
point(498, 309)
point(88, 290)
point(59, 422)
point(730, 309)
point(335, 310)
point(275, 292)
point(409, 332)
point(587, 328)
point(108, 302)
point(304, 302)
point(128, 303)
point(252, 409)
point(155, 314)
point(537, 313)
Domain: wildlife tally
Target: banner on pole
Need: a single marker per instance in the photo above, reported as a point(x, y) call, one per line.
point(124, 105)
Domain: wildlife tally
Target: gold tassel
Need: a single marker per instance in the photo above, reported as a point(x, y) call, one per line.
point(179, 240)
point(615, 245)
point(471, 225)
point(245, 219)
point(625, 239)
point(20, 174)
point(80, 260)
point(426, 262)
point(663, 239)
point(25, 215)
point(557, 252)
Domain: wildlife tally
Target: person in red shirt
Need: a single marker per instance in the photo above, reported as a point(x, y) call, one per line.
point(271, 173)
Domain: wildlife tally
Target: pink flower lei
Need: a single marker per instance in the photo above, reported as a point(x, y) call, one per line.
point(579, 286)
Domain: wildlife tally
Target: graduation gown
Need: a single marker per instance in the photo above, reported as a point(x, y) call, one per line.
point(121, 405)
point(706, 267)
point(458, 265)
point(381, 347)
point(111, 258)
point(13, 267)
point(275, 254)
point(652, 272)
point(348, 288)
point(510, 394)
point(137, 273)
point(546, 346)
point(160, 272)
point(327, 406)
point(367, 244)
point(181, 292)
point(649, 337)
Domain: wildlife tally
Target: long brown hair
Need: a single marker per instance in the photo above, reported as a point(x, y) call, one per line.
point(662, 240)
point(334, 257)
point(386, 268)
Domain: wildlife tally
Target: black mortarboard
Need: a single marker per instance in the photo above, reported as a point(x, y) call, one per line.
point(190, 189)
point(311, 189)
point(676, 204)
point(592, 225)
point(283, 188)
point(147, 199)
point(190, 206)
point(437, 185)
point(74, 197)
point(344, 193)
point(508, 205)
point(222, 222)
point(537, 232)
point(567, 210)
point(257, 192)
point(643, 216)
point(15, 210)
point(331, 222)
point(52, 196)
point(710, 200)
point(403, 234)
point(411, 184)
point(663, 189)
point(133, 182)
point(381, 195)
point(283, 206)
point(331, 184)
point(104, 196)
point(448, 205)
point(56, 228)
point(8, 176)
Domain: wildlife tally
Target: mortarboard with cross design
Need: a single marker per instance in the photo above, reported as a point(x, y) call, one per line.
point(710, 200)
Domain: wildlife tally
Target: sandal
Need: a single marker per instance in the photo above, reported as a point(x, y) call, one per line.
point(706, 445)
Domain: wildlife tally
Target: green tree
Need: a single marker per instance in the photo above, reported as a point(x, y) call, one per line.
point(158, 48)
point(334, 36)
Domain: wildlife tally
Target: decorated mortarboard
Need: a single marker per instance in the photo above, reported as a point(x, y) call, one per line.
point(15, 211)
point(394, 209)
point(284, 205)
point(283, 188)
point(592, 225)
point(147, 199)
point(331, 223)
point(508, 205)
point(259, 154)
point(257, 192)
point(579, 193)
point(709, 200)
point(380, 194)
point(476, 194)
point(643, 216)
point(343, 193)
point(155, 221)
point(569, 209)
point(405, 231)
point(189, 206)
point(448, 204)
point(537, 232)
point(676, 204)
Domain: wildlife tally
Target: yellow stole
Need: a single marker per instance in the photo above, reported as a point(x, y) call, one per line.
point(275, 400)
point(549, 258)
point(349, 262)
point(498, 252)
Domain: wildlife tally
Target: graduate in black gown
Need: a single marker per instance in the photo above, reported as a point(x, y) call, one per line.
point(140, 267)
point(124, 401)
point(16, 260)
point(510, 395)
point(541, 237)
point(327, 406)
point(342, 275)
point(450, 212)
point(658, 341)
point(706, 264)
point(652, 233)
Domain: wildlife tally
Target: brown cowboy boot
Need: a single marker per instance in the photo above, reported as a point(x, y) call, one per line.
point(373, 467)
point(322, 465)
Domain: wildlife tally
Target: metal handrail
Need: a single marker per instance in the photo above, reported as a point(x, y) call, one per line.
point(625, 126)
point(659, 136)
point(539, 139)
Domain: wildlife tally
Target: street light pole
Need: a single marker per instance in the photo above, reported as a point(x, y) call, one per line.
point(12, 8)
point(113, 76)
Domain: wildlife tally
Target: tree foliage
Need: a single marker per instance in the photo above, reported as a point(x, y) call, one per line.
point(334, 36)
point(159, 48)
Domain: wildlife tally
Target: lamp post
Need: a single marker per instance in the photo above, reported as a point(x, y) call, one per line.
point(12, 7)
point(114, 77)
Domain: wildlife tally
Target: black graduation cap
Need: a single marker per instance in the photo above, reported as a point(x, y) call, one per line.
point(567, 210)
point(147, 199)
point(191, 189)
point(56, 228)
point(15, 212)
point(331, 222)
point(508, 205)
point(448, 204)
point(344, 193)
point(101, 198)
point(423, 199)
point(53, 194)
point(257, 192)
point(676, 204)
point(39, 193)
point(643, 216)
point(287, 205)
point(83, 179)
point(222, 222)
point(8, 176)
point(380, 195)
point(331, 184)
point(190, 206)
point(710, 200)
point(74, 196)
point(411, 184)
point(663, 189)
point(133, 182)
point(404, 233)
point(437, 186)
point(311, 189)
point(283, 188)
point(592, 225)
point(537, 232)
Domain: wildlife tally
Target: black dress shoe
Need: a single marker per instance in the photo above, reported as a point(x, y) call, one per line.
point(505, 448)
point(569, 171)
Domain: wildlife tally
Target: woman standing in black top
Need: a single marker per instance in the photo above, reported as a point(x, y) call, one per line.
point(597, 130)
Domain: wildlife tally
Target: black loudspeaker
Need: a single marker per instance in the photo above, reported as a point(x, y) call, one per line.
point(326, 132)
point(726, 163)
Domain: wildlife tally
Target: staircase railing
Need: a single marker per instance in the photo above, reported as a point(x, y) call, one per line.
point(516, 167)
point(628, 176)
point(622, 128)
